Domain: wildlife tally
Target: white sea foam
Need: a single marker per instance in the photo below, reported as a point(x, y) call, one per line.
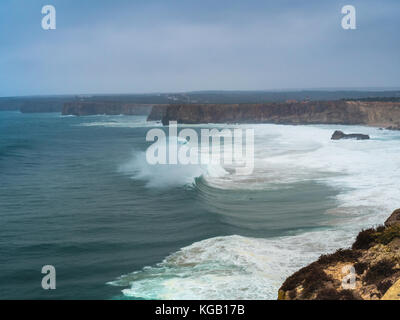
point(167, 175)
point(231, 267)
point(161, 176)
point(119, 122)
point(366, 174)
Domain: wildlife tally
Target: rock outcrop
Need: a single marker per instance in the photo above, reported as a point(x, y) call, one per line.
point(379, 113)
point(339, 135)
point(393, 293)
point(375, 257)
point(393, 219)
point(85, 108)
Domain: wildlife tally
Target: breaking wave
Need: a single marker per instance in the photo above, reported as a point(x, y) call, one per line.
point(365, 175)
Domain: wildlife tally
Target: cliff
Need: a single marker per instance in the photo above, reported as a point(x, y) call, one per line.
point(375, 257)
point(34, 104)
point(378, 113)
point(41, 106)
point(85, 108)
point(157, 113)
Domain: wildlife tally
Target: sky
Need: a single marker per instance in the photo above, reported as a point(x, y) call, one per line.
point(147, 46)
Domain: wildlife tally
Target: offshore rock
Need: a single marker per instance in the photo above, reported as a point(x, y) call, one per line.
point(339, 135)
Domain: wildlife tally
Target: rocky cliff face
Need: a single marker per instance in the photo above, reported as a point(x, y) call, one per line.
point(375, 257)
point(383, 114)
point(157, 113)
point(41, 106)
point(110, 108)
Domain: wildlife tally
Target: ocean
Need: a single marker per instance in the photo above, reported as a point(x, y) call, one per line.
point(78, 194)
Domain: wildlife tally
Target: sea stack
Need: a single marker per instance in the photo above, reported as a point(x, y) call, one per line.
point(339, 135)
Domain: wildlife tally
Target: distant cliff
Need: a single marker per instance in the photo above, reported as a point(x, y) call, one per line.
point(34, 104)
point(375, 259)
point(379, 113)
point(157, 113)
point(85, 108)
point(41, 106)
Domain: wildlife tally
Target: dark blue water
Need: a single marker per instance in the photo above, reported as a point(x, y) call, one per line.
point(65, 201)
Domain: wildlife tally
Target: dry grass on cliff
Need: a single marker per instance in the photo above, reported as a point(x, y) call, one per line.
point(370, 237)
point(375, 256)
point(379, 271)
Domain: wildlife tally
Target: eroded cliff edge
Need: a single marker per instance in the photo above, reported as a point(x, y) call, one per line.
point(375, 257)
point(379, 113)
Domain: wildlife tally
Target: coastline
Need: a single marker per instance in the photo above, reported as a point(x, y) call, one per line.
point(305, 247)
point(369, 270)
point(335, 112)
point(271, 258)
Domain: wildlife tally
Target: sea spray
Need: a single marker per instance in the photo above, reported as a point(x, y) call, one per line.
point(169, 151)
point(364, 173)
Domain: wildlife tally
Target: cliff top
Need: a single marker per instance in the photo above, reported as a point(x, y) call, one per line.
point(375, 259)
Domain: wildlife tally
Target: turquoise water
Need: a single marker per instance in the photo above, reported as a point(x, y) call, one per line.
point(75, 193)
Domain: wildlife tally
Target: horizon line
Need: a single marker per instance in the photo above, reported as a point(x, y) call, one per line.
point(328, 89)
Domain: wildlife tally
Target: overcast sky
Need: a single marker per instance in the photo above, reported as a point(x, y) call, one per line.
point(136, 46)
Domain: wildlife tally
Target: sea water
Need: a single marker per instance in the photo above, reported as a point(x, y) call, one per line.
point(77, 193)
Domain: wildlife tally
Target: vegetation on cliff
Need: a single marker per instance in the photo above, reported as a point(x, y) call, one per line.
point(375, 257)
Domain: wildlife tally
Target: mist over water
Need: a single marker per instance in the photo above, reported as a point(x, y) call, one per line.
point(78, 193)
